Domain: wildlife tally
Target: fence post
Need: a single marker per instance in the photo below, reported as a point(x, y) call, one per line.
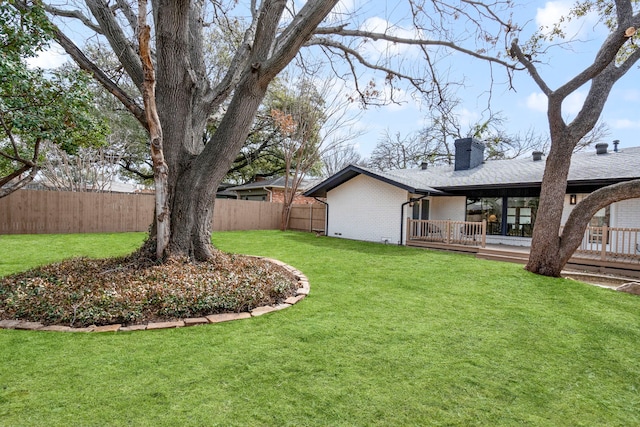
point(603, 241)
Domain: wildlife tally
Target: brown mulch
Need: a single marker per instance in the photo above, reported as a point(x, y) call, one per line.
point(82, 292)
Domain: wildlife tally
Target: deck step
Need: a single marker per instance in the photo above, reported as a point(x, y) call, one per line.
point(503, 255)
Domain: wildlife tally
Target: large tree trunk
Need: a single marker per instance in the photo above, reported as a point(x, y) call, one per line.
point(196, 170)
point(550, 251)
point(545, 244)
point(551, 262)
point(185, 100)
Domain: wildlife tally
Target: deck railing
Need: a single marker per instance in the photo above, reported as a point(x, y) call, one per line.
point(606, 243)
point(611, 242)
point(448, 232)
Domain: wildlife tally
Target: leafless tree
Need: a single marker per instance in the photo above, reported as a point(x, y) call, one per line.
point(88, 169)
point(618, 54)
point(434, 144)
point(338, 158)
point(317, 120)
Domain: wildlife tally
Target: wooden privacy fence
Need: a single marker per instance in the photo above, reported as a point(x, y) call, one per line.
point(47, 212)
point(309, 217)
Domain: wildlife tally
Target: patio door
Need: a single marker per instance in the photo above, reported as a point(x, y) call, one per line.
point(421, 210)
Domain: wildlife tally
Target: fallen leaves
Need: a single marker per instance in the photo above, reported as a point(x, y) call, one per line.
point(82, 291)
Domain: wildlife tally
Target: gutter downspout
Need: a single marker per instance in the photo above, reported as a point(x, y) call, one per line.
point(411, 199)
point(269, 192)
point(326, 216)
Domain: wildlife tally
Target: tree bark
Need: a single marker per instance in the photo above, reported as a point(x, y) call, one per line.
point(549, 250)
point(578, 220)
point(160, 169)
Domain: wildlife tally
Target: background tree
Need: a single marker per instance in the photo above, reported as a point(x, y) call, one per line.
point(618, 54)
point(314, 120)
point(398, 152)
point(86, 169)
point(35, 107)
point(434, 144)
point(337, 158)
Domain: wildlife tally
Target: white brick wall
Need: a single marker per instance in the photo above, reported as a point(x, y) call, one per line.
point(626, 214)
point(367, 209)
point(453, 208)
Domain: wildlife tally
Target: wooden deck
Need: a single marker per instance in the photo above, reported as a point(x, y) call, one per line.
point(520, 255)
point(626, 263)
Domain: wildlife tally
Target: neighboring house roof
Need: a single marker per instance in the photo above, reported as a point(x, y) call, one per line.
point(587, 168)
point(277, 182)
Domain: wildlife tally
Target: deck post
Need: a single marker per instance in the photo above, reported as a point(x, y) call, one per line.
point(603, 242)
point(484, 233)
point(448, 232)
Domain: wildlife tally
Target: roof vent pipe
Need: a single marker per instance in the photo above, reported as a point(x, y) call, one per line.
point(602, 148)
point(615, 145)
point(537, 156)
point(424, 165)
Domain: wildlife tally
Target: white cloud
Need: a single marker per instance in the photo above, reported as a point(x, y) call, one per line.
point(467, 118)
point(537, 102)
point(549, 15)
point(625, 124)
point(381, 47)
point(573, 103)
point(53, 57)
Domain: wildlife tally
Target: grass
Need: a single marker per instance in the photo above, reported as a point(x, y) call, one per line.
point(389, 336)
point(22, 252)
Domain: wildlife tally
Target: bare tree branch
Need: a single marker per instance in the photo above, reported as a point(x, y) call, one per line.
point(86, 64)
point(118, 40)
point(419, 42)
point(75, 14)
point(132, 19)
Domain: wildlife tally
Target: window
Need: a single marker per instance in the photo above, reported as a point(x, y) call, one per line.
point(420, 210)
point(521, 215)
point(599, 220)
point(510, 216)
point(489, 208)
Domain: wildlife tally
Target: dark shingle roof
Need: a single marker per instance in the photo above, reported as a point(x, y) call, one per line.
point(277, 182)
point(586, 167)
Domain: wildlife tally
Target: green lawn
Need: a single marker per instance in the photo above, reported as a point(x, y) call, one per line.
point(388, 336)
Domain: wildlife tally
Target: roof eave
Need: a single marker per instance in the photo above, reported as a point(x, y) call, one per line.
point(350, 172)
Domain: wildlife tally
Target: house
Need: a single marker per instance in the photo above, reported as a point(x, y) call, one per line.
point(503, 195)
point(271, 190)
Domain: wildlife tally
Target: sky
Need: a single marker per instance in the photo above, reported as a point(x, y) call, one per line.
point(523, 107)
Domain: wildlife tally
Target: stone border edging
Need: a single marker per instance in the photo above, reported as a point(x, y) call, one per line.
point(302, 291)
